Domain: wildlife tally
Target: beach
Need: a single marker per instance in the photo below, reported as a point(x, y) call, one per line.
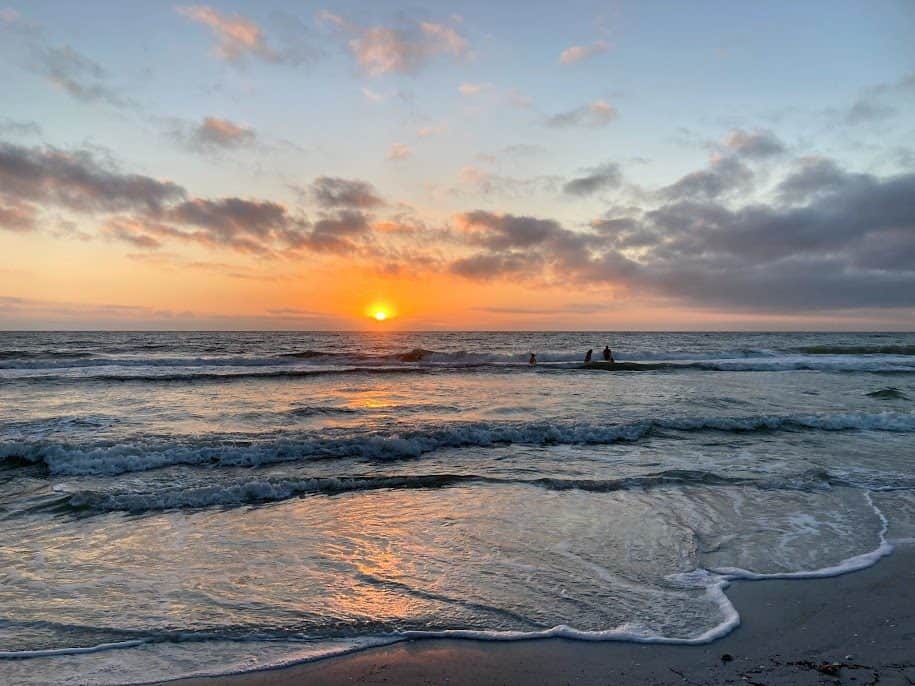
point(858, 628)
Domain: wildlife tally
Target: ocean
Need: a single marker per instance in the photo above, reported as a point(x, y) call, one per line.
point(198, 503)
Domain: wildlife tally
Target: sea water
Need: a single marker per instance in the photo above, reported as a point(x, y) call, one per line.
point(206, 503)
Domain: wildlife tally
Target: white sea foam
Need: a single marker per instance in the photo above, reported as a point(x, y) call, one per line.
point(851, 564)
point(79, 650)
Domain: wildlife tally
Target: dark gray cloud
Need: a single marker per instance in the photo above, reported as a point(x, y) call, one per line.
point(596, 179)
point(247, 225)
point(813, 176)
point(834, 240)
point(758, 144)
point(731, 169)
point(485, 266)
point(334, 192)
point(79, 181)
point(517, 245)
point(337, 233)
point(723, 176)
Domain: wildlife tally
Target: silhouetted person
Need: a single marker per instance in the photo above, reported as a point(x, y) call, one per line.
point(588, 355)
point(608, 354)
point(533, 359)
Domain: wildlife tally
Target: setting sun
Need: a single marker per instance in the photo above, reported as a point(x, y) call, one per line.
point(380, 310)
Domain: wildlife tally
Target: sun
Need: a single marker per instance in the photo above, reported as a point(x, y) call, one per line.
point(380, 311)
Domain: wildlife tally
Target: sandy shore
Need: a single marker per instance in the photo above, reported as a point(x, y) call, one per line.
point(854, 629)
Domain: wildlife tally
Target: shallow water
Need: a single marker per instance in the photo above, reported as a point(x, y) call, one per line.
point(182, 503)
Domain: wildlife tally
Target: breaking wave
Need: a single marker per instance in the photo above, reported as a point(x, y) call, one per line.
point(266, 490)
point(39, 367)
point(245, 450)
point(857, 349)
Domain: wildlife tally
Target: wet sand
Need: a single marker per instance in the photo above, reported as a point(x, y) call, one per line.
point(853, 629)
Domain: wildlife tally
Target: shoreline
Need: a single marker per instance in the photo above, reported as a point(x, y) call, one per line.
point(855, 628)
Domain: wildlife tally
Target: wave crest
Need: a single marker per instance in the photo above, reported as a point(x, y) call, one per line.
point(146, 454)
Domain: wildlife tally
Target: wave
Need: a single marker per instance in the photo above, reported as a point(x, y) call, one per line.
point(889, 393)
point(244, 450)
point(193, 376)
point(418, 360)
point(196, 375)
point(266, 490)
point(857, 349)
point(318, 410)
point(43, 355)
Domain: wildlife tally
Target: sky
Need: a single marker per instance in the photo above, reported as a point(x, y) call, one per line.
point(468, 165)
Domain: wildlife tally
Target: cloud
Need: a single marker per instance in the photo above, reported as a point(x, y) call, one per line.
point(473, 88)
point(407, 49)
point(77, 75)
point(516, 245)
point(236, 36)
point(19, 128)
point(754, 144)
point(244, 224)
point(334, 192)
point(482, 181)
point(215, 134)
point(577, 53)
point(880, 102)
point(239, 38)
point(598, 178)
point(130, 232)
point(594, 115)
point(78, 181)
point(336, 233)
point(63, 66)
point(724, 175)
point(580, 308)
point(833, 240)
point(730, 168)
point(484, 267)
point(18, 216)
point(813, 177)
point(399, 151)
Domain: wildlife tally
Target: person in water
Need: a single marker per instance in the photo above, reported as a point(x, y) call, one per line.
point(533, 359)
point(588, 355)
point(608, 354)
